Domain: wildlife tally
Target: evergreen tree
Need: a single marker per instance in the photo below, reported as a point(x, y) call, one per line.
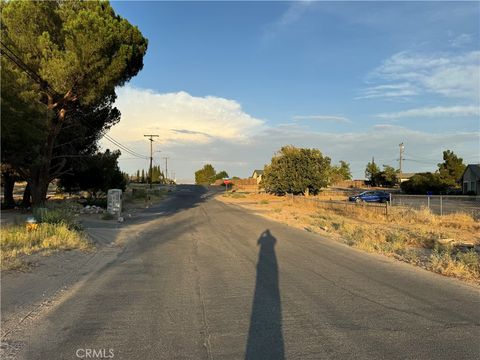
point(79, 51)
point(451, 169)
point(371, 172)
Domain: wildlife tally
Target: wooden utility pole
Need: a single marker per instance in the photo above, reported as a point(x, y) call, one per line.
point(150, 137)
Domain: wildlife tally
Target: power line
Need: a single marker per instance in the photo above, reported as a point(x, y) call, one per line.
point(123, 147)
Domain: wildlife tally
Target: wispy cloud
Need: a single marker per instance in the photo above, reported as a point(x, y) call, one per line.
point(461, 40)
point(408, 74)
point(401, 90)
point(331, 118)
point(437, 111)
point(292, 15)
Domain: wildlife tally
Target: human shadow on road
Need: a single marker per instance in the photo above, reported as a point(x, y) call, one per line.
point(265, 338)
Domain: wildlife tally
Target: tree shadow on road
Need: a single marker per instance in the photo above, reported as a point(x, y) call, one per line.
point(265, 337)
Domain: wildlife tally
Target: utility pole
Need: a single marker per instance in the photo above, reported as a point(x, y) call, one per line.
point(402, 148)
point(166, 167)
point(150, 137)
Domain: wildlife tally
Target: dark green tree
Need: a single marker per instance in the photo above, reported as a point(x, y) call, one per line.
point(451, 169)
point(297, 171)
point(76, 54)
point(371, 172)
point(222, 174)
point(424, 183)
point(98, 172)
point(387, 177)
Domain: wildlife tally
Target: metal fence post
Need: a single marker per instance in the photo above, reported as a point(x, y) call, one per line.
point(428, 202)
point(441, 205)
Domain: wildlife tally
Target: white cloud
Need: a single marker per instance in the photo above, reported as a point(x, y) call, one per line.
point(179, 117)
point(198, 130)
point(437, 111)
point(332, 118)
point(407, 74)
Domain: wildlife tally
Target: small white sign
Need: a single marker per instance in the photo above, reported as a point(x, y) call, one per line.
point(114, 201)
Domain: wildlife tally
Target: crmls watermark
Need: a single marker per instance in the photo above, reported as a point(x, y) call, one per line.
point(94, 353)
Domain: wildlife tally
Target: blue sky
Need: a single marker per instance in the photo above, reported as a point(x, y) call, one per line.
point(231, 82)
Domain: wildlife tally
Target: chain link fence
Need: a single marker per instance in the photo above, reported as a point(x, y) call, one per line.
point(440, 204)
point(437, 204)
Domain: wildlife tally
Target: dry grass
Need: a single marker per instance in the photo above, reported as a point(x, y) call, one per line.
point(406, 234)
point(17, 241)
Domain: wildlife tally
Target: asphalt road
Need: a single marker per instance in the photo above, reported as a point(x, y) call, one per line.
point(211, 281)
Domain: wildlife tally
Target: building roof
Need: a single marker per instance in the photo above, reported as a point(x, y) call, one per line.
point(407, 175)
point(259, 172)
point(475, 169)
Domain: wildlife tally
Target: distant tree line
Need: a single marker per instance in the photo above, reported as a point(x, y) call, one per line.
point(143, 176)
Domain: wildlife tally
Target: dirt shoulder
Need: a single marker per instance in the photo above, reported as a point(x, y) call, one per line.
point(448, 245)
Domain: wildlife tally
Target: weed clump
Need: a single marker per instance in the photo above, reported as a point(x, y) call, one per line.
point(16, 241)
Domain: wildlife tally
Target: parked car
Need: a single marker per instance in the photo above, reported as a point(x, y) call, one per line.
point(371, 196)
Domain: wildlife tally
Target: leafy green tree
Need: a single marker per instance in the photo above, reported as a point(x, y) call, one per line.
point(222, 174)
point(371, 172)
point(76, 53)
point(340, 172)
point(451, 169)
point(206, 175)
point(99, 172)
point(387, 177)
point(297, 171)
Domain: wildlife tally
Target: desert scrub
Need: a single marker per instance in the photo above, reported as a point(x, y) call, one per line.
point(16, 241)
point(56, 214)
point(264, 202)
point(460, 265)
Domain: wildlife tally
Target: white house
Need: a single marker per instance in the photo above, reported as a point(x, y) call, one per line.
point(257, 174)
